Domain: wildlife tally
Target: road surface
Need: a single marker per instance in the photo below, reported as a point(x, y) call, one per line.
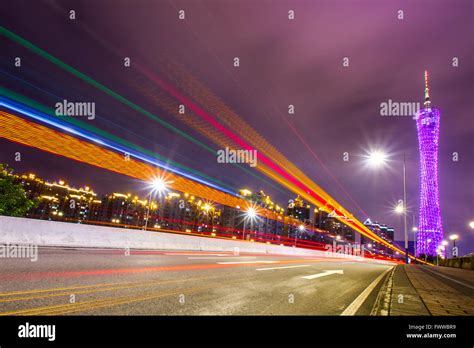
point(113, 282)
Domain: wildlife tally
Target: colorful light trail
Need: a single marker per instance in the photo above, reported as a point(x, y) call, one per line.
point(275, 165)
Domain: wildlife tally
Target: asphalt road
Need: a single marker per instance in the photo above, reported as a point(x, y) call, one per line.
point(110, 282)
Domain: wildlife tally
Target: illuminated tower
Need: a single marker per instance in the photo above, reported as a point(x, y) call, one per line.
point(430, 229)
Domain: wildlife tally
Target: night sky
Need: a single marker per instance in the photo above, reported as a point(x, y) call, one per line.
point(282, 62)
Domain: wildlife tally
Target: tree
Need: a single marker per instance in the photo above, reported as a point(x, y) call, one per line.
point(13, 199)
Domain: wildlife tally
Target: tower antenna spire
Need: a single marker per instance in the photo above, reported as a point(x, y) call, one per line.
point(427, 102)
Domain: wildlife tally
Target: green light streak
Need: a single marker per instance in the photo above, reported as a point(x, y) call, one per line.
point(18, 39)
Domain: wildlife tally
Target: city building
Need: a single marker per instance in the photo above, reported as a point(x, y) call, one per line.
point(57, 200)
point(262, 226)
point(298, 209)
point(123, 209)
point(330, 223)
point(173, 211)
point(384, 232)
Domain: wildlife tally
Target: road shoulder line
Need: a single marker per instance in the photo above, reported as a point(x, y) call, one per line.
point(357, 303)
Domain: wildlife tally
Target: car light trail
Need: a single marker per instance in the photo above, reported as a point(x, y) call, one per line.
point(39, 141)
point(304, 186)
point(293, 180)
point(86, 135)
point(25, 132)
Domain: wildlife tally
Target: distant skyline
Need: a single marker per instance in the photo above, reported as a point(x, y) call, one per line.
point(337, 108)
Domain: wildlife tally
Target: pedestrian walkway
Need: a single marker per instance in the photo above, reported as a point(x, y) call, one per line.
point(405, 300)
point(444, 291)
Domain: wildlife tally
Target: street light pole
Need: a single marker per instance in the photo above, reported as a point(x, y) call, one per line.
point(428, 241)
point(252, 229)
point(147, 212)
point(454, 251)
point(405, 207)
point(158, 185)
point(415, 229)
point(414, 241)
point(377, 159)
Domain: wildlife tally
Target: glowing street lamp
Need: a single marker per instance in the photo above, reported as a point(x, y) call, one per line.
point(301, 228)
point(157, 185)
point(377, 158)
point(206, 207)
point(399, 208)
point(250, 214)
point(439, 253)
point(471, 224)
point(454, 238)
point(428, 241)
point(414, 229)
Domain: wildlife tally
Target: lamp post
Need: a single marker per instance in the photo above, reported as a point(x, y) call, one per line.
point(147, 211)
point(157, 185)
point(454, 237)
point(378, 159)
point(251, 214)
point(414, 229)
point(445, 243)
point(301, 228)
point(405, 207)
point(428, 241)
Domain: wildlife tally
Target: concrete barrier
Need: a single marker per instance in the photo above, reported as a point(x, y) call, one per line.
point(467, 262)
point(459, 262)
point(62, 234)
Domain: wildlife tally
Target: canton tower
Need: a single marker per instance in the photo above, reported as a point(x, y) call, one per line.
point(430, 229)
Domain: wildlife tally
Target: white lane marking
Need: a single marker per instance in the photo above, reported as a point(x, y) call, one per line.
point(220, 257)
point(283, 267)
point(445, 276)
point(325, 273)
point(184, 254)
point(243, 262)
point(355, 305)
